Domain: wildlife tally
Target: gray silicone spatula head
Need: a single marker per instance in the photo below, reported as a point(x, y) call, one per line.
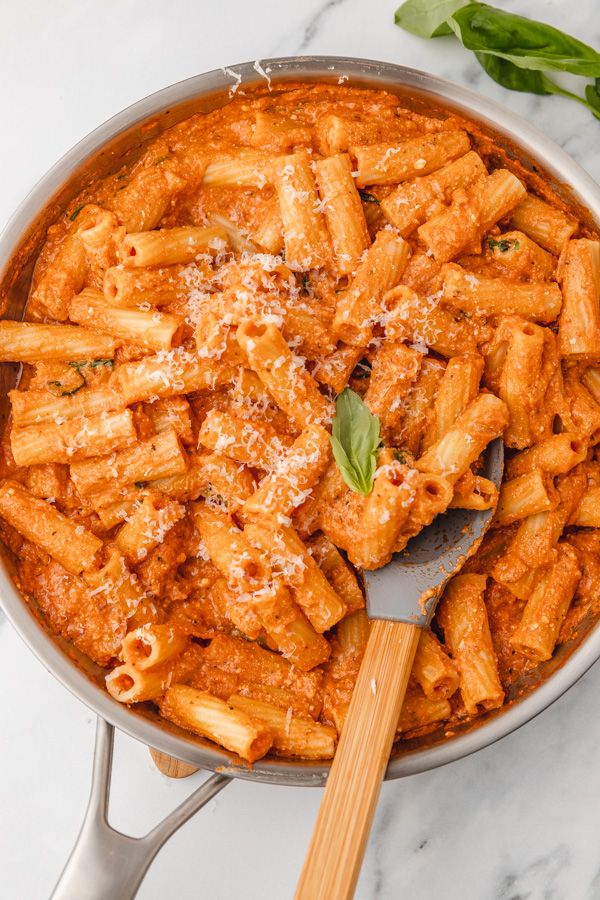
point(408, 588)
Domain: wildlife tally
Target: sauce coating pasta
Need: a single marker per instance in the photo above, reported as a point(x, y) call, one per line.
point(168, 486)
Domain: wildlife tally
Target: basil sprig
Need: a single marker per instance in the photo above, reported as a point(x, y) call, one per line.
point(515, 51)
point(355, 438)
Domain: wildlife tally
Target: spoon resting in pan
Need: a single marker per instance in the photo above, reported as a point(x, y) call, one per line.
point(401, 600)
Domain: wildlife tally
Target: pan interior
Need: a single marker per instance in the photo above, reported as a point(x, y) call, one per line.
point(120, 141)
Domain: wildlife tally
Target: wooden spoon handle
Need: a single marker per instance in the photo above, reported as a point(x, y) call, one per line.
point(338, 843)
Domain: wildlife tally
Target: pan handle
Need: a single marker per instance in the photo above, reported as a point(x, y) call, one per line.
point(105, 863)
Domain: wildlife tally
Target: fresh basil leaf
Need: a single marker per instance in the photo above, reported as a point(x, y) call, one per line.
point(592, 96)
point(62, 390)
point(524, 42)
point(402, 457)
point(366, 197)
point(92, 363)
point(427, 18)
point(532, 81)
point(502, 245)
point(109, 363)
point(354, 440)
point(511, 76)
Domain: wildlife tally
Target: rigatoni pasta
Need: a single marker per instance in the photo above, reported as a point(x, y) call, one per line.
point(180, 486)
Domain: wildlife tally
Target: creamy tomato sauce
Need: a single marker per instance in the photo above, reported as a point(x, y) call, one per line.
point(480, 272)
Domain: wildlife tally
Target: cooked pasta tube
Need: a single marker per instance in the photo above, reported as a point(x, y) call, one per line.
point(72, 440)
point(247, 168)
point(167, 374)
point(34, 407)
point(283, 699)
point(521, 257)
point(545, 224)
point(141, 204)
point(554, 456)
point(30, 342)
point(433, 670)
point(417, 424)
point(288, 628)
point(353, 632)
point(213, 475)
point(520, 386)
point(474, 492)
point(172, 412)
point(145, 328)
point(408, 317)
point(535, 540)
point(293, 475)
point(579, 323)
point(113, 583)
point(525, 495)
point(386, 510)
point(152, 645)
point(463, 617)
point(432, 496)
point(343, 211)
point(116, 512)
point(69, 543)
point(63, 277)
point(336, 368)
point(458, 387)
point(159, 457)
point(215, 719)
point(310, 334)
point(100, 240)
point(253, 663)
point(287, 380)
point(419, 711)
point(537, 632)
point(307, 517)
point(157, 286)
point(129, 684)
point(276, 133)
point(591, 380)
point(336, 131)
point(236, 610)
point(146, 527)
point(268, 234)
point(523, 587)
point(255, 443)
point(305, 235)
point(229, 549)
point(472, 213)
point(587, 514)
point(338, 572)
point(391, 163)
point(408, 206)
point(292, 562)
point(360, 305)
point(394, 370)
point(451, 456)
point(585, 410)
point(499, 296)
point(170, 246)
point(292, 735)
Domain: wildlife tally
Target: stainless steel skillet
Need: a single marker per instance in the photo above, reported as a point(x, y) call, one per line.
point(98, 154)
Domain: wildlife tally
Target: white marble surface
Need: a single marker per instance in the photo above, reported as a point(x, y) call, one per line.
point(518, 821)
